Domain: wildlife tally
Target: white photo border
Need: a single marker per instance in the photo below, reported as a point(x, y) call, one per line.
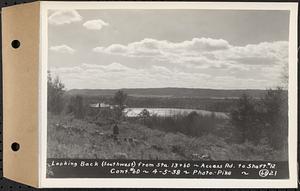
point(168, 182)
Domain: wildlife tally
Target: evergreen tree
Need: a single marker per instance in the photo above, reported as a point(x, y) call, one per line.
point(275, 114)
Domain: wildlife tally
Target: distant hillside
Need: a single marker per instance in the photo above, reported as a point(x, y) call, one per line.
point(170, 92)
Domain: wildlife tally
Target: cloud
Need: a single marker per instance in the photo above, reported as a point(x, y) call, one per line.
point(61, 17)
point(203, 52)
point(265, 53)
point(117, 49)
point(95, 24)
point(116, 75)
point(62, 49)
point(113, 67)
point(197, 63)
point(153, 47)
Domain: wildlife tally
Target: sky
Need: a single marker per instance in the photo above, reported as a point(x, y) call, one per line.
point(217, 49)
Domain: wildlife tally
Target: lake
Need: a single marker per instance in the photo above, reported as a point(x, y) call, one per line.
point(134, 112)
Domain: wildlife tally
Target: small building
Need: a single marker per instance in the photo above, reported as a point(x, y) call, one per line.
point(100, 105)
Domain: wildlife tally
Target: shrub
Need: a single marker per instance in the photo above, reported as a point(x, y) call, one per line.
point(76, 107)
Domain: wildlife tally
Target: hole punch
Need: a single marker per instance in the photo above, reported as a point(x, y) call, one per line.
point(15, 44)
point(15, 146)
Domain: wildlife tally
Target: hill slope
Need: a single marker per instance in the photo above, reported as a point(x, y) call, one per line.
point(83, 139)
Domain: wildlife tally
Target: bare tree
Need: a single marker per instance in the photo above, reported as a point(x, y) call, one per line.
point(120, 99)
point(56, 90)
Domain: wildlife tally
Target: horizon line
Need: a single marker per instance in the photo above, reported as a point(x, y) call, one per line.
point(171, 88)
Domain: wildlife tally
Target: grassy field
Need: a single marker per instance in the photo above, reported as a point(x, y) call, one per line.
point(80, 138)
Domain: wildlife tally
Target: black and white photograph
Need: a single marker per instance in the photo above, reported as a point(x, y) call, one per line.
point(168, 85)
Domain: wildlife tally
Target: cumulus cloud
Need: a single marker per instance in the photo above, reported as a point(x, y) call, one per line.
point(61, 17)
point(225, 65)
point(153, 47)
point(203, 52)
point(62, 49)
point(95, 24)
point(265, 53)
point(113, 67)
